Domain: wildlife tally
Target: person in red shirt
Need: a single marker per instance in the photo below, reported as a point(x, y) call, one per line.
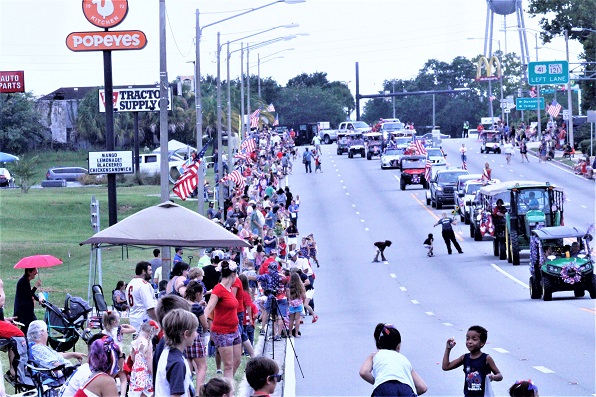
point(238, 291)
point(265, 265)
point(224, 329)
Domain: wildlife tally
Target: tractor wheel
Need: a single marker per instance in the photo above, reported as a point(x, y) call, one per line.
point(402, 184)
point(547, 290)
point(369, 156)
point(535, 289)
point(472, 231)
point(466, 218)
point(495, 247)
point(579, 293)
point(502, 250)
point(514, 247)
point(477, 234)
point(592, 289)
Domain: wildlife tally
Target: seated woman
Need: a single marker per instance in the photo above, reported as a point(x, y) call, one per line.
point(46, 357)
point(119, 297)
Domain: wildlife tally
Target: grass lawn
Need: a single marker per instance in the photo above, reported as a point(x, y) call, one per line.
point(55, 221)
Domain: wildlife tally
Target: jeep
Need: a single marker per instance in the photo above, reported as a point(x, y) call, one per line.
point(556, 265)
point(413, 171)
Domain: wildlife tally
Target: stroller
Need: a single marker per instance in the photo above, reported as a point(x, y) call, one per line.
point(66, 326)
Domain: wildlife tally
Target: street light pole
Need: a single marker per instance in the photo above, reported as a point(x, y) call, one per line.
point(219, 141)
point(569, 97)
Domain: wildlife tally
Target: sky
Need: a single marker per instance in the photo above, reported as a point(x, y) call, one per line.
point(390, 39)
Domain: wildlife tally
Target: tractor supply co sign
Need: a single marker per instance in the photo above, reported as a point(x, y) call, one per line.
point(103, 41)
point(110, 163)
point(134, 99)
point(12, 82)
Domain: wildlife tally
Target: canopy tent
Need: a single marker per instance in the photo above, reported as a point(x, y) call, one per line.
point(177, 146)
point(7, 157)
point(167, 224)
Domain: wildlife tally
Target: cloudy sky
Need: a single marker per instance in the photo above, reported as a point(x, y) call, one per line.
point(389, 39)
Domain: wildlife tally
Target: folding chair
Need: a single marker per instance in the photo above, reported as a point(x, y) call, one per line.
point(100, 305)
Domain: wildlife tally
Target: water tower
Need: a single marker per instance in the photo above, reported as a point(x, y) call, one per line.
point(506, 7)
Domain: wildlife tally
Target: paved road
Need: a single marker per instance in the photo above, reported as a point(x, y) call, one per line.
point(353, 204)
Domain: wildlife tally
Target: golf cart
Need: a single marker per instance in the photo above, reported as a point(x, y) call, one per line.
point(491, 142)
point(342, 143)
point(560, 260)
point(374, 142)
point(413, 171)
point(355, 144)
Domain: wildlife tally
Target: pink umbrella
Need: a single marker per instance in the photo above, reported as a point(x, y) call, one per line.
point(37, 261)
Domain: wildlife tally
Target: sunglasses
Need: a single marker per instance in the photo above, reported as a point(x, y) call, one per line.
point(277, 377)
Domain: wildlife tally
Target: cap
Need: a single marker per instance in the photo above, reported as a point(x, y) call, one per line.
point(273, 266)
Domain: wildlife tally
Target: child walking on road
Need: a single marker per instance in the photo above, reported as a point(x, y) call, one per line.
point(478, 367)
point(428, 244)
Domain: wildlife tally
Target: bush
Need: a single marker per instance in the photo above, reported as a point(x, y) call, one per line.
point(93, 179)
point(584, 146)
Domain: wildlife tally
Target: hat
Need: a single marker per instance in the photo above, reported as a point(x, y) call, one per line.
point(251, 202)
point(273, 266)
point(273, 251)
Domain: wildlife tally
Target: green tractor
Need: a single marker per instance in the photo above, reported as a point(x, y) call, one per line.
point(533, 205)
point(560, 260)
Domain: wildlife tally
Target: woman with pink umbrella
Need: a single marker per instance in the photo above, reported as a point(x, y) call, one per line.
point(23, 299)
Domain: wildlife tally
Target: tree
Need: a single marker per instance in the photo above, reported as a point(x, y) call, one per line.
point(308, 105)
point(318, 79)
point(20, 128)
point(25, 169)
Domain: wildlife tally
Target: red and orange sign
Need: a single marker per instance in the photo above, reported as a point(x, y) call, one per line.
point(106, 41)
point(105, 13)
point(12, 81)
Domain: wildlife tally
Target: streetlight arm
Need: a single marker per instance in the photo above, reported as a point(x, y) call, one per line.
point(294, 25)
point(242, 13)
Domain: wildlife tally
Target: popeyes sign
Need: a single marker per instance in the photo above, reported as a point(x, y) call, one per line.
point(106, 14)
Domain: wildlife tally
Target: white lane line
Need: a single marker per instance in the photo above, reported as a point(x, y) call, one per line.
point(396, 177)
point(345, 187)
point(404, 289)
point(341, 181)
point(357, 212)
point(393, 275)
point(510, 276)
point(583, 206)
point(362, 220)
point(386, 262)
point(500, 350)
point(448, 324)
point(347, 194)
point(353, 205)
point(430, 313)
point(414, 301)
point(544, 370)
point(366, 229)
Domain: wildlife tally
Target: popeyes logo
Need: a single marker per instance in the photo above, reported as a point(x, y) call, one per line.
point(105, 13)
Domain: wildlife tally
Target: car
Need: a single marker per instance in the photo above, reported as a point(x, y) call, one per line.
point(429, 135)
point(442, 187)
point(373, 143)
point(465, 190)
point(6, 180)
point(556, 266)
point(436, 156)
point(355, 144)
point(491, 142)
point(65, 173)
point(413, 171)
point(390, 157)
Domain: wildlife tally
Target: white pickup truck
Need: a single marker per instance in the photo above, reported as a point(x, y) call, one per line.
point(328, 135)
point(151, 163)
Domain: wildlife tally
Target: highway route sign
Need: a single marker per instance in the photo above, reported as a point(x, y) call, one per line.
point(548, 72)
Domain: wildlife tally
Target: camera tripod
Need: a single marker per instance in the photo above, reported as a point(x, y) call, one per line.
point(272, 317)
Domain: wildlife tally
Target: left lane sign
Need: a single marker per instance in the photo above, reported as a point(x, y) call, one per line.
point(106, 41)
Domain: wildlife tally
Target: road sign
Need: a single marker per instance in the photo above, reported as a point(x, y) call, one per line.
point(548, 72)
point(547, 91)
point(529, 103)
point(565, 114)
point(507, 110)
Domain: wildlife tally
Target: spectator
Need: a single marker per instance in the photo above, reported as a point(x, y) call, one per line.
point(178, 276)
point(262, 374)
point(178, 255)
point(156, 261)
point(140, 294)
point(37, 333)
point(217, 387)
point(141, 353)
point(197, 353)
point(23, 299)
point(119, 297)
point(523, 388)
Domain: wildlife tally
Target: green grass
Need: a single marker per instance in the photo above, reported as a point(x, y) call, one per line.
point(55, 221)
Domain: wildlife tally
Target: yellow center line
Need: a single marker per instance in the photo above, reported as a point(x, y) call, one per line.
point(458, 235)
point(593, 311)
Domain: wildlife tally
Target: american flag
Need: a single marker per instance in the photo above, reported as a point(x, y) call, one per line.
point(554, 108)
point(254, 118)
point(492, 98)
point(189, 180)
point(464, 165)
point(532, 92)
point(276, 121)
point(270, 108)
point(427, 170)
point(417, 146)
point(236, 177)
point(249, 145)
point(242, 155)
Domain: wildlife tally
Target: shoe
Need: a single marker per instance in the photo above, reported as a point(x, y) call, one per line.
point(450, 253)
point(219, 371)
point(277, 338)
point(431, 255)
point(10, 378)
point(460, 252)
point(262, 332)
point(374, 261)
point(315, 319)
point(301, 321)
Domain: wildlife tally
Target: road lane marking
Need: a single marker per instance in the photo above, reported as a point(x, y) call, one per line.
point(544, 370)
point(345, 187)
point(593, 311)
point(500, 350)
point(362, 220)
point(353, 205)
point(347, 194)
point(430, 313)
point(393, 275)
point(510, 276)
point(404, 289)
point(414, 301)
point(366, 229)
point(357, 212)
point(448, 324)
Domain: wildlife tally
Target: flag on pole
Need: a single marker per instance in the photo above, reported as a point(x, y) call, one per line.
point(532, 92)
point(276, 121)
point(254, 118)
point(236, 177)
point(427, 170)
point(249, 145)
point(554, 108)
point(271, 108)
point(417, 146)
point(492, 98)
point(189, 180)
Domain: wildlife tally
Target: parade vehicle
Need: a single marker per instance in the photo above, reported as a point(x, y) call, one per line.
point(442, 187)
point(342, 143)
point(355, 145)
point(326, 134)
point(560, 260)
point(436, 156)
point(491, 142)
point(413, 171)
point(345, 127)
point(373, 142)
point(466, 187)
point(530, 205)
point(391, 156)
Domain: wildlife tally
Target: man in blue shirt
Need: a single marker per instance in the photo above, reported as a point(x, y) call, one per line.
point(178, 255)
point(306, 159)
point(448, 233)
point(293, 209)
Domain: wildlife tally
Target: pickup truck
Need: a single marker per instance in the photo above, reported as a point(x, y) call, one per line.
point(150, 163)
point(328, 135)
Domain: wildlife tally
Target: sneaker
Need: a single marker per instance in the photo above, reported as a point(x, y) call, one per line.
point(277, 338)
point(460, 252)
point(315, 318)
point(262, 332)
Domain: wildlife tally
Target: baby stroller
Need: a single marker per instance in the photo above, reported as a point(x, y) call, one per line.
point(66, 326)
